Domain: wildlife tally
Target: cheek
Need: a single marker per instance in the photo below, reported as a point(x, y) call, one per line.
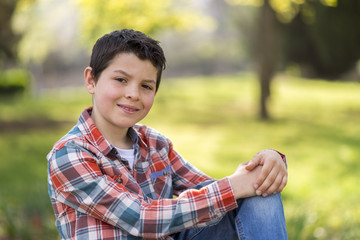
point(149, 101)
point(105, 96)
point(111, 92)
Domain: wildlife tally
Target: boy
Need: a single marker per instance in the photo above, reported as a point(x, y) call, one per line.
point(111, 178)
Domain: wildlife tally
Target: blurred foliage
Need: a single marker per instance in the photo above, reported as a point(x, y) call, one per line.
point(317, 128)
point(49, 25)
point(148, 16)
point(326, 42)
point(319, 33)
point(321, 36)
point(8, 39)
point(14, 81)
point(286, 10)
point(46, 26)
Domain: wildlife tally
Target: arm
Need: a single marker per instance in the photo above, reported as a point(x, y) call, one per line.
point(187, 176)
point(79, 183)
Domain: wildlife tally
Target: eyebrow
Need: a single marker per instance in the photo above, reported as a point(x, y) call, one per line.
point(122, 72)
point(129, 75)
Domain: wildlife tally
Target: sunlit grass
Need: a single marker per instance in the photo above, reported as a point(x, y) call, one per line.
point(315, 123)
point(213, 123)
point(54, 105)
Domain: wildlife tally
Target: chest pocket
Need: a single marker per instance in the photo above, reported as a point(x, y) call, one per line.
point(161, 181)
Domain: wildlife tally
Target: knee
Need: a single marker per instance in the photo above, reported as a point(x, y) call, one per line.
point(261, 218)
point(264, 207)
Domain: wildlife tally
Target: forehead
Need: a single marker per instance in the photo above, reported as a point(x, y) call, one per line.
point(131, 64)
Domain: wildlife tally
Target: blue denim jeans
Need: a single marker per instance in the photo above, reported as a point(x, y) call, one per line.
point(255, 218)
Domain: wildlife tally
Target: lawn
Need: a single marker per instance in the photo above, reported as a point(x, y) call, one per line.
point(213, 123)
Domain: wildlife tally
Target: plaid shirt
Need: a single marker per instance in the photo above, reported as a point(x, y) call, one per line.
point(96, 195)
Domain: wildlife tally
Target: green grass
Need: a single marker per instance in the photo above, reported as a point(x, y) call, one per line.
point(213, 123)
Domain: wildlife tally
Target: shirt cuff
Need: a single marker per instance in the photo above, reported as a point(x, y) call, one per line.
point(283, 157)
point(224, 201)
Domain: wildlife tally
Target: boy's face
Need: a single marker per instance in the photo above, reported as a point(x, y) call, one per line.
point(124, 92)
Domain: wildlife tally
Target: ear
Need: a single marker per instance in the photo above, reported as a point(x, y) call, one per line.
point(89, 80)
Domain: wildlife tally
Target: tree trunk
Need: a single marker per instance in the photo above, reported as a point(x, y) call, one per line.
point(266, 56)
point(8, 39)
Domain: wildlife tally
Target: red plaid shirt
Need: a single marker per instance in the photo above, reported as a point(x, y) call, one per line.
point(96, 195)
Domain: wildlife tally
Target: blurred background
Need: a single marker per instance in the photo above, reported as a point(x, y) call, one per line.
point(241, 76)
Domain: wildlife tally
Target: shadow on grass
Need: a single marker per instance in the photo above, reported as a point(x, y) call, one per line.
point(31, 124)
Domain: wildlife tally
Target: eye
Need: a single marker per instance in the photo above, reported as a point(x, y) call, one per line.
point(120, 79)
point(148, 87)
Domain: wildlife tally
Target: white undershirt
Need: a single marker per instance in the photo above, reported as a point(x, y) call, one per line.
point(127, 154)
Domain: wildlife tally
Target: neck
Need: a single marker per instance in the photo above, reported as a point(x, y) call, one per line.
point(120, 140)
point(116, 136)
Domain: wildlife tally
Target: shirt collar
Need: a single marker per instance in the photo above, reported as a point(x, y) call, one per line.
point(135, 137)
point(93, 135)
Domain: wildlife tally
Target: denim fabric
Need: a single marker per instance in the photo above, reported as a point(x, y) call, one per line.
point(255, 218)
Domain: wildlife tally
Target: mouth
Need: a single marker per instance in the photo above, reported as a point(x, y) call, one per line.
point(128, 108)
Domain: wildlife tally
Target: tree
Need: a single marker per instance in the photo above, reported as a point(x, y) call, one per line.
point(266, 55)
point(272, 12)
point(325, 44)
point(8, 39)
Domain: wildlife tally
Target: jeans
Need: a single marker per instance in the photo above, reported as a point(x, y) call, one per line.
point(255, 218)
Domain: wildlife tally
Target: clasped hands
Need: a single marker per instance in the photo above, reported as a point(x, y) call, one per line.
point(263, 175)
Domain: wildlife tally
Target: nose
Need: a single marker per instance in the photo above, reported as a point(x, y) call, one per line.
point(132, 92)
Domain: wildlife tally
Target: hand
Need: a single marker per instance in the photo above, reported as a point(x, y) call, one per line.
point(273, 176)
point(242, 181)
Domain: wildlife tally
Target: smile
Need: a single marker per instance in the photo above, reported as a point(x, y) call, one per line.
point(128, 109)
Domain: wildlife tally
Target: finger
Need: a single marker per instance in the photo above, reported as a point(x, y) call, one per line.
point(267, 168)
point(283, 183)
point(250, 166)
point(269, 180)
point(274, 186)
point(254, 162)
point(244, 163)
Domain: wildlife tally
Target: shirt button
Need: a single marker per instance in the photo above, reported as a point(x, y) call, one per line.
point(119, 180)
point(164, 173)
